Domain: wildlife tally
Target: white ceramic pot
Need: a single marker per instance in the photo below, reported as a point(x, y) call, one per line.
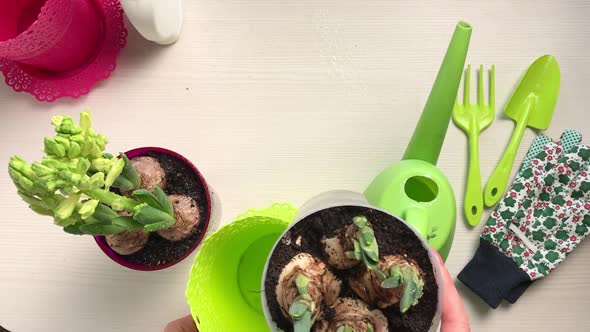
point(159, 21)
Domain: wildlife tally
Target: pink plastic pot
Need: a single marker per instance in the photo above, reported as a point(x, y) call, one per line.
point(58, 38)
point(120, 259)
point(57, 48)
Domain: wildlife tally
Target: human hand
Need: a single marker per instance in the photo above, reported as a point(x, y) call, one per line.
point(184, 324)
point(454, 317)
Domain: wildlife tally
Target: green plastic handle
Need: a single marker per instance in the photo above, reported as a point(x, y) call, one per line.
point(417, 218)
point(473, 203)
point(499, 180)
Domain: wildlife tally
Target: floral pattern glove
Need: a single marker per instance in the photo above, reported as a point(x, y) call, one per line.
point(540, 220)
point(569, 139)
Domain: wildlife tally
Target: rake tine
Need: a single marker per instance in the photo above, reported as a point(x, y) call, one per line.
point(493, 89)
point(466, 86)
point(480, 86)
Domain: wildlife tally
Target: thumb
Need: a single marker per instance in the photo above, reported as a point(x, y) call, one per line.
point(184, 324)
point(454, 317)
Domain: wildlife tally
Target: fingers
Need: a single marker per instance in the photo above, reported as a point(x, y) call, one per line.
point(184, 324)
point(454, 316)
point(537, 146)
point(569, 139)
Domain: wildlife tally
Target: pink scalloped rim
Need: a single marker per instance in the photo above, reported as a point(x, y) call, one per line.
point(102, 243)
point(49, 87)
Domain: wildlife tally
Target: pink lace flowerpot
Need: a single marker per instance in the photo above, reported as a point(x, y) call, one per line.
point(59, 48)
point(181, 176)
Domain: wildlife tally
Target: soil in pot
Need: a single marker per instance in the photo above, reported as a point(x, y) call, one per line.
point(180, 180)
point(393, 237)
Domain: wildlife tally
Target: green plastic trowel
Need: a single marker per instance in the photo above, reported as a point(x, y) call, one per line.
point(414, 188)
point(531, 105)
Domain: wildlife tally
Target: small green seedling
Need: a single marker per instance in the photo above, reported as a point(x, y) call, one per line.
point(412, 282)
point(347, 328)
point(432, 234)
point(72, 184)
point(303, 308)
point(366, 248)
point(395, 278)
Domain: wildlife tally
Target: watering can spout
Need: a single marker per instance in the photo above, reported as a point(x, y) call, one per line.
point(428, 137)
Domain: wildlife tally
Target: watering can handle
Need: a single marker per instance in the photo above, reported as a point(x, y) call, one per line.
point(417, 218)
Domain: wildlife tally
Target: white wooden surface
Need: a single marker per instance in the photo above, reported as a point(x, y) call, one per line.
point(278, 101)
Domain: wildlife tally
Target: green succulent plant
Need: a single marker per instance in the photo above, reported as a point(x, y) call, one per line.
point(366, 248)
point(347, 328)
point(406, 276)
point(303, 308)
point(72, 184)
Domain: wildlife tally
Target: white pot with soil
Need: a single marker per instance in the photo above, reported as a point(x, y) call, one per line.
point(344, 265)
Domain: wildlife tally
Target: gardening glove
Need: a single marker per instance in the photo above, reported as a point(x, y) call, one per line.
point(540, 220)
point(569, 139)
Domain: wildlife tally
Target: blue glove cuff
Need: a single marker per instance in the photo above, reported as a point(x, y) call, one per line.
point(491, 275)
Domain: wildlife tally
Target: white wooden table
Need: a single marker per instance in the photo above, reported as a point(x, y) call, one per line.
point(279, 101)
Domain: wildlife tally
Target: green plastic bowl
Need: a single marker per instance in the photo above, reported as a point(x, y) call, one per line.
point(223, 290)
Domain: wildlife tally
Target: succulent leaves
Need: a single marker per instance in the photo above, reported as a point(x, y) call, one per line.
point(72, 184)
point(365, 245)
point(413, 285)
point(395, 278)
point(128, 179)
point(303, 307)
point(366, 249)
point(347, 328)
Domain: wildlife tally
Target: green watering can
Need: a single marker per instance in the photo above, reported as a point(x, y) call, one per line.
point(414, 188)
point(223, 291)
